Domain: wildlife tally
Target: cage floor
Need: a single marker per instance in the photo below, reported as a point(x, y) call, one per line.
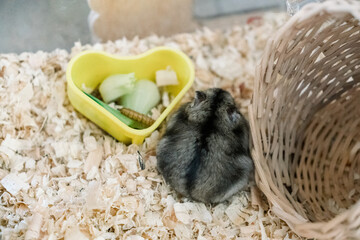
point(63, 177)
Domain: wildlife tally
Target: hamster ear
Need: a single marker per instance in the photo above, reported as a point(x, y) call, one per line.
point(233, 114)
point(199, 97)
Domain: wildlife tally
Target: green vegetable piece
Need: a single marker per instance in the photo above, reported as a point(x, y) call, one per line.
point(117, 114)
point(143, 98)
point(116, 86)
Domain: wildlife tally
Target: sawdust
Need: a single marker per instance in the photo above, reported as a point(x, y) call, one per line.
point(61, 177)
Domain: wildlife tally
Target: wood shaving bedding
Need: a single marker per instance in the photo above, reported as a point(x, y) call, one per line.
point(63, 177)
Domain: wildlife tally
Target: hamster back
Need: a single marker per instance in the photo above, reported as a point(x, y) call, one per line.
point(204, 153)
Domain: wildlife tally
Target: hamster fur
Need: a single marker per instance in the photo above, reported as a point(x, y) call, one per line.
point(204, 153)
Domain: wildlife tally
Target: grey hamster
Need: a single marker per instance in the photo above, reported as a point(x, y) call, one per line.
point(204, 153)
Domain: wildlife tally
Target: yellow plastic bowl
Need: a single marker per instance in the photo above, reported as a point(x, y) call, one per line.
point(90, 68)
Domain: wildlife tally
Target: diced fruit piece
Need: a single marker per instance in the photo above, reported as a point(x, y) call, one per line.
point(166, 77)
point(143, 98)
point(117, 85)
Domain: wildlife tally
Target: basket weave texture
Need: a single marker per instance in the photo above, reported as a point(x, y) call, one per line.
point(305, 121)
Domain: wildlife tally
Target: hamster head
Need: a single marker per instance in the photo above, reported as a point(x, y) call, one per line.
point(216, 104)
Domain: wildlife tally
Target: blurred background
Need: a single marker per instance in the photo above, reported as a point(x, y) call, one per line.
point(29, 26)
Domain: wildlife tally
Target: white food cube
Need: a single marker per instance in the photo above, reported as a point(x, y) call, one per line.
point(166, 77)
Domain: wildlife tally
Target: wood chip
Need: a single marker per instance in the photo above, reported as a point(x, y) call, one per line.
point(2, 71)
point(93, 159)
point(33, 231)
point(13, 183)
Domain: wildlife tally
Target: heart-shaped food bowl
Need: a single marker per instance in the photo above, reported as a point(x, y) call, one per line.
point(90, 68)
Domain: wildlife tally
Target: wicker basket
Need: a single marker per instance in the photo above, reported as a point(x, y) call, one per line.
point(305, 120)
